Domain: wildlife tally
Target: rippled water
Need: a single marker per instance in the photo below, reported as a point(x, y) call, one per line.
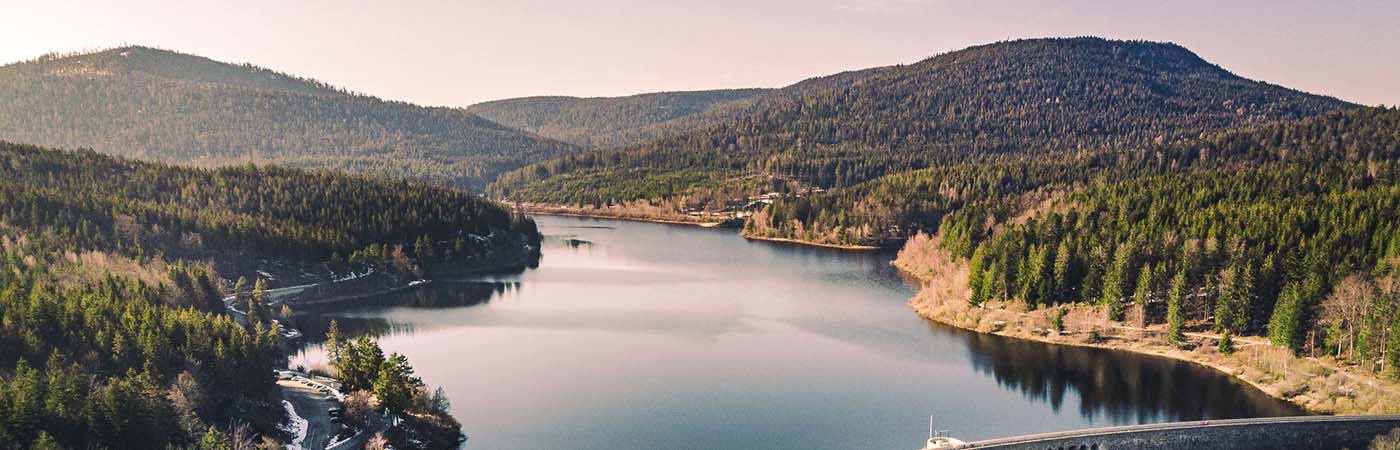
point(645, 336)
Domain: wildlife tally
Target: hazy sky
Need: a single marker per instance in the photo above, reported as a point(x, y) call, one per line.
point(462, 52)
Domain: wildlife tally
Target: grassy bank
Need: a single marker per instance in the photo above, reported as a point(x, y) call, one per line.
point(1317, 384)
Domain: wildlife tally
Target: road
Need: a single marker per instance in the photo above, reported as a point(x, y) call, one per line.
point(311, 405)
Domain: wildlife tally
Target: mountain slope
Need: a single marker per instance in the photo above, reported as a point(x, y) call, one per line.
point(607, 122)
point(162, 105)
point(1040, 95)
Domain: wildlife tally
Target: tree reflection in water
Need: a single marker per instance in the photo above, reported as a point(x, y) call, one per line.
point(313, 322)
point(1123, 387)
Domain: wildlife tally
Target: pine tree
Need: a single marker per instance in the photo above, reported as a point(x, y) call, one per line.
point(257, 304)
point(1034, 277)
point(976, 280)
point(212, 440)
point(1176, 318)
point(1286, 324)
point(332, 344)
point(240, 290)
point(395, 385)
point(1143, 294)
point(45, 442)
point(1392, 349)
point(423, 250)
point(1244, 299)
point(1061, 271)
point(1227, 343)
point(1114, 289)
point(1225, 302)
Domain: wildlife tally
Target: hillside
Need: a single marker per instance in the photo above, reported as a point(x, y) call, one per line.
point(86, 201)
point(166, 106)
point(113, 280)
point(960, 198)
point(612, 121)
point(976, 104)
point(1277, 241)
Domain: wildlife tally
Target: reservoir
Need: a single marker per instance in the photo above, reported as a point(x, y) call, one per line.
point(647, 336)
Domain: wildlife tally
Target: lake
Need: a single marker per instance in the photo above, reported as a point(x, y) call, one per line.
point(646, 336)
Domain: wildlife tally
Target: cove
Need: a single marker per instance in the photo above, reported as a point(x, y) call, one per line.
point(635, 335)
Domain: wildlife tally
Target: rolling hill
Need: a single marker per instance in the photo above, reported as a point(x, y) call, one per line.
point(607, 122)
point(172, 107)
point(977, 104)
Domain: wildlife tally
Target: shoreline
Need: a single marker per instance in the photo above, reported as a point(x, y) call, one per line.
point(853, 247)
point(546, 212)
point(722, 224)
point(1231, 372)
point(1314, 385)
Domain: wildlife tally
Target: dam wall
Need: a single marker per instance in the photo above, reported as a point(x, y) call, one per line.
point(1285, 433)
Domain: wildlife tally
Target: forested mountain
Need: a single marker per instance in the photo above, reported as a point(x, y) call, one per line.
point(1288, 230)
point(166, 106)
point(970, 194)
point(112, 332)
point(607, 122)
point(976, 104)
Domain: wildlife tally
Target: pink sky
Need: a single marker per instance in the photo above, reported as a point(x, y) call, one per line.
point(462, 52)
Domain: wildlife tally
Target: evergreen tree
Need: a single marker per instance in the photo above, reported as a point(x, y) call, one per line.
point(45, 442)
point(1225, 302)
point(395, 385)
point(1115, 281)
point(1227, 343)
point(976, 281)
point(332, 344)
point(1392, 349)
point(257, 304)
point(1286, 324)
point(1143, 294)
point(1243, 299)
point(240, 291)
point(1176, 318)
point(1061, 272)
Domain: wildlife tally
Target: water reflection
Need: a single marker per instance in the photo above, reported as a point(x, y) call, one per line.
point(1121, 387)
point(653, 336)
point(361, 317)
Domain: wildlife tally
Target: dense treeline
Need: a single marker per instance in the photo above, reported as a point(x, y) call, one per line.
point(121, 363)
point(1043, 95)
point(888, 208)
point(613, 121)
point(99, 202)
point(1253, 251)
point(113, 332)
point(1288, 230)
point(161, 105)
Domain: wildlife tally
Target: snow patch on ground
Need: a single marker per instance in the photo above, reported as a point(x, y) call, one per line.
point(296, 427)
point(354, 275)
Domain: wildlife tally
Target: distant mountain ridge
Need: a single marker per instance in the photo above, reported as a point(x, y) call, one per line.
point(172, 65)
point(173, 107)
point(1035, 95)
point(607, 122)
point(614, 122)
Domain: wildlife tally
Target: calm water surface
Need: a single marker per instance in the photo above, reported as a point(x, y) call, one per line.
point(645, 336)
